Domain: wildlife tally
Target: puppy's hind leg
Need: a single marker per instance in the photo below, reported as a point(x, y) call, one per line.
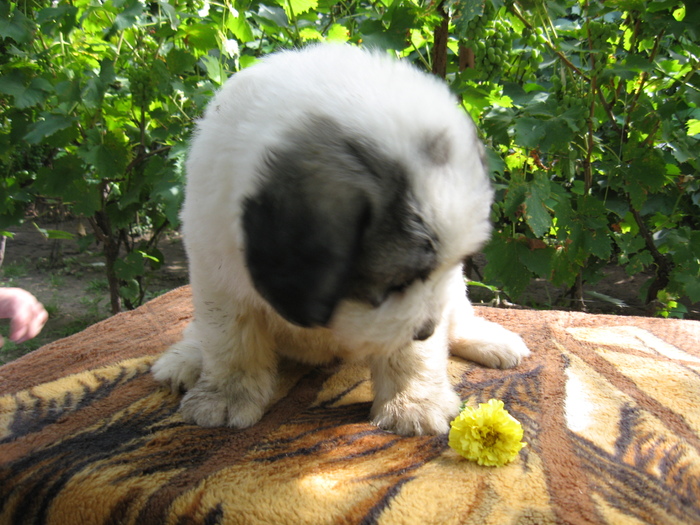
point(482, 341)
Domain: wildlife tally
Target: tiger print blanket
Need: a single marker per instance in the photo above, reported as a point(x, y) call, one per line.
point(609, 405)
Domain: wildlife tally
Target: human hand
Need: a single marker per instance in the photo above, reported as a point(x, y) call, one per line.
point(27, 315)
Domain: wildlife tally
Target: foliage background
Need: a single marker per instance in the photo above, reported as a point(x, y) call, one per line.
point(589, 111)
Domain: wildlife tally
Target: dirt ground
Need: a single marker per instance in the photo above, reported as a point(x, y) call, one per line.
point(70, 282)
point(74, 289)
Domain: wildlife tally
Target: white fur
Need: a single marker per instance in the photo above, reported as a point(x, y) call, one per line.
point(228, 356)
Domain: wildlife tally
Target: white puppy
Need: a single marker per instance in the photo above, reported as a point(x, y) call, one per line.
point(332, 195)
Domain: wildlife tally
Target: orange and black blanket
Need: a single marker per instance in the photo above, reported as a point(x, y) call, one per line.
point(610, 407)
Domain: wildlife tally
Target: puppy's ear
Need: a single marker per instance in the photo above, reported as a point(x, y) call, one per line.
point(304, 226)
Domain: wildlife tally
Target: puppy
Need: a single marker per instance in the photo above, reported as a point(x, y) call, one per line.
point(332, 195)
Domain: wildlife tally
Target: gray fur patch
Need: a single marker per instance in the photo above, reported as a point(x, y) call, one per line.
point(438, 148)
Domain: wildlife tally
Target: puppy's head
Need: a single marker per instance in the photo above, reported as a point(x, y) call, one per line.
point(358, 232)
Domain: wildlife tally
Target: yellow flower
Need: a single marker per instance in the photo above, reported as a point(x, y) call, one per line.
point(488, 435)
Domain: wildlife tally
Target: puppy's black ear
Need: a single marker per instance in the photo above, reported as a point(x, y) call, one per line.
point(303, 227)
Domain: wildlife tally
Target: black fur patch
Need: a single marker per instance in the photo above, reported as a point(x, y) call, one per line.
point(333, 219)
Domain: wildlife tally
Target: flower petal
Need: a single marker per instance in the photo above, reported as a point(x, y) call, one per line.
point(488, 435)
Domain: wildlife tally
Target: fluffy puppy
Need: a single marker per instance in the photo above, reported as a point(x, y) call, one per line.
point(332, 195)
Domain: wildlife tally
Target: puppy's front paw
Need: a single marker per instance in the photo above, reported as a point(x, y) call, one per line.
point(417, 417)
point(489, 344)
point(238, 402)
point(505, 351)
point(179, 367)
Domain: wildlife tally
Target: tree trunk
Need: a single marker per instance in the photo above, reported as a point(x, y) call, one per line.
point(440, 37)
point(103, 231)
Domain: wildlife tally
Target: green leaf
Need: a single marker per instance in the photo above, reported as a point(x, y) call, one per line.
point(170, 12)
point(310, 33)
point(240, 27)
point(691, 286)
point(214, 68)
point(294, 8)
point(53, 234)
point(529, 132)
point(693, 126)
point(248, 60)
point(92, 95)
point(538, 259)
point(639, 262)
point(68, 91)
point(107, 73)
point(648, 169)
point(494, 162)
point(515, 196)
point(504, 266)
point(58, 179)
point(479, 284)
point(162, 78)
point(599, 244)
point(17, 27)
point(275, 15)
point(201, 37)
point(131, 290)
point(558, 134)
point(64, 179)
point(131, 10)
point(638, 63)
point(591, 212)
point(47, 127)
point(607, 298)
point(180, 61)
point(130, 266)
point(465, 11)
point(26, 93)
point(498, 122)
point(110, 157)
point(637, 193)
point(168, 191)
point(564, 267)
point(154, 257)
point(61, 17)
point(536, 212)
point(337, 33)
point(376, 35)
point(522, 98)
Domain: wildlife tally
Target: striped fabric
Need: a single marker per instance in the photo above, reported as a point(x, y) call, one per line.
point(610, 408)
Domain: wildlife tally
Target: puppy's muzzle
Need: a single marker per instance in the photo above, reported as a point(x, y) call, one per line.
point(425, 330)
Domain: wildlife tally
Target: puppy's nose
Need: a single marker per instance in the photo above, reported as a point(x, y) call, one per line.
point(425, 331)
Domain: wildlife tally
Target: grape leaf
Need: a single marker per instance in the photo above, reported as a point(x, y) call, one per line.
point(536, 213)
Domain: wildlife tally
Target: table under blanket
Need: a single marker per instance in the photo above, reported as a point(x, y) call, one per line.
point(610, 407)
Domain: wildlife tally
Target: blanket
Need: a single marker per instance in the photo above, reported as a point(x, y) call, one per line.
point(609, 406)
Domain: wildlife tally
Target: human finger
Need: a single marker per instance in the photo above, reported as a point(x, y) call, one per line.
point(28, 321)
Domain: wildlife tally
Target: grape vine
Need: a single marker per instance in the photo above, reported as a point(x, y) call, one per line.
point(589, 111)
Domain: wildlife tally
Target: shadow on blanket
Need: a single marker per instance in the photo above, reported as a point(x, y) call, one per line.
point(609, 406)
